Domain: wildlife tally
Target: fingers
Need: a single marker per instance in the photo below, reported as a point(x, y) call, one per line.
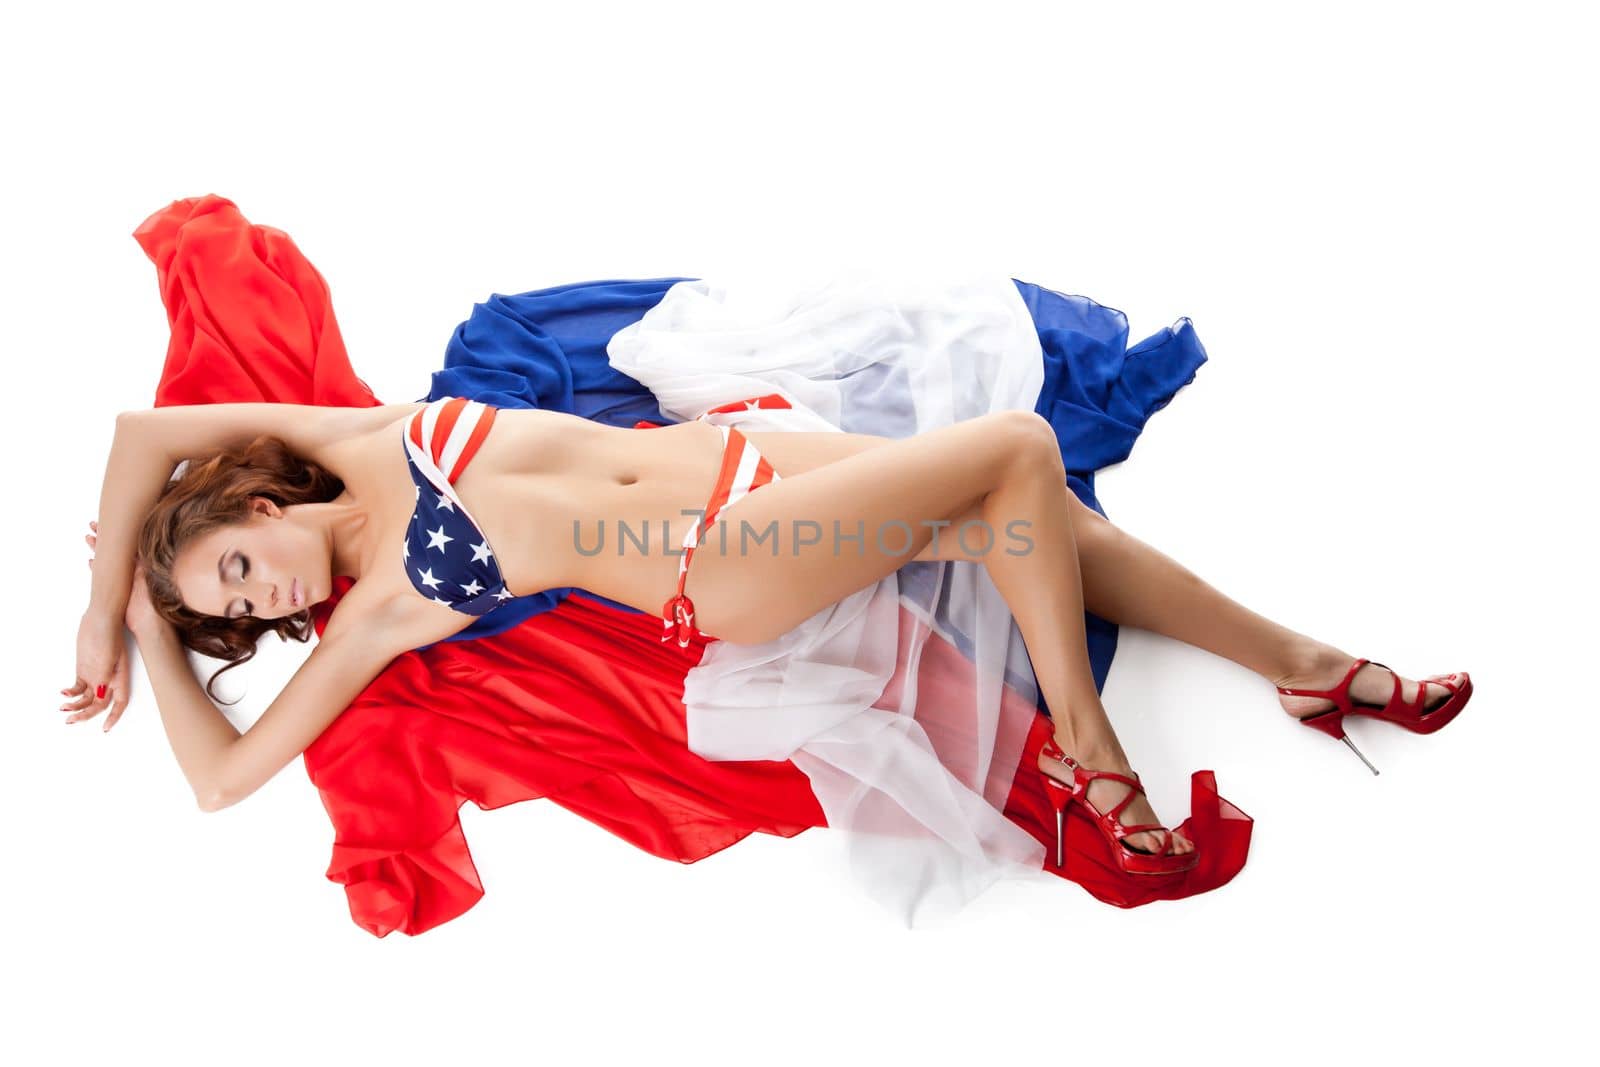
point(86, 700)
point(89, 701)
point(119, 690)
point(88, 706)
point(116, 712)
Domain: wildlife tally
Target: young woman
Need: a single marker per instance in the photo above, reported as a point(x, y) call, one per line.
point(442, 510)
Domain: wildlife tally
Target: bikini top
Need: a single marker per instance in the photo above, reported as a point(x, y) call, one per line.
point(447, 557)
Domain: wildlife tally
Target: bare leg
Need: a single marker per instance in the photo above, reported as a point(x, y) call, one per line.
point(1006, 469)
point(1128, 582)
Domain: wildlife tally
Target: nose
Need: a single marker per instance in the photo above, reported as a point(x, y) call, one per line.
point(266, 594)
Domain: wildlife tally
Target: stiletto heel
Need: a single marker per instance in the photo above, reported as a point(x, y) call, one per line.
point(1411, 716)
point(1130, 858)
point(1332, 724)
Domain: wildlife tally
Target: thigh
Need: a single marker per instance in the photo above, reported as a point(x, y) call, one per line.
point(792, 453)
point(796, 453)
point(772, 560)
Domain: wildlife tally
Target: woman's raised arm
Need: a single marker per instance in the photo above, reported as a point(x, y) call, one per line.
point(149, 444)
point(224, 766)
point(313, 432)
point(365, 633)
point(136, 472)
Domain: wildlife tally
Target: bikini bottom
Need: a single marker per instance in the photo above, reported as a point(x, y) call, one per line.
point(744, 470)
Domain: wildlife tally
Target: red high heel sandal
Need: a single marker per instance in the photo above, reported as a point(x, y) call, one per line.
point(1397, 711)
point(1131, 859)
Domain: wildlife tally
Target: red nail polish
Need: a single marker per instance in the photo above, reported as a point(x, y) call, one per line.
point(99, 692)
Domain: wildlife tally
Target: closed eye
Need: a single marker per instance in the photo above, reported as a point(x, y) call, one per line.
point(244, 570)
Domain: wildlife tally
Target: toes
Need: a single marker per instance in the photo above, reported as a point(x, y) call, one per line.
point(1437, 694)
point(1428, 690)
point(1435, 691)
point(1152, 842)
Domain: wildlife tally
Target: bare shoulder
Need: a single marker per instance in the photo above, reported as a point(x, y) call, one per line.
point(367, 631)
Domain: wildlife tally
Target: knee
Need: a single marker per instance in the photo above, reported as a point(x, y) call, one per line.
point(1029, 441)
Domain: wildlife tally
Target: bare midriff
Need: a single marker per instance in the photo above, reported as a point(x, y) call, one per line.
point(553, 493)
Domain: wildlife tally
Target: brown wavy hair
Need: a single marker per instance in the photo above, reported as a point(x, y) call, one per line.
point(215, 491)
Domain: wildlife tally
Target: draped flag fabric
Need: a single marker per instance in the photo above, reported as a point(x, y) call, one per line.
point(564, 694)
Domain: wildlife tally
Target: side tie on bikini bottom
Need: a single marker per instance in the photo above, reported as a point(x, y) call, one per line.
point(744, 470)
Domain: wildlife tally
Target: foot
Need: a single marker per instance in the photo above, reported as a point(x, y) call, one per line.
point(1105, 794)
point(1326, 667)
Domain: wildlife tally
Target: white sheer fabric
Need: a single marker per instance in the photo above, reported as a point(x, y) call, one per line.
point(906, 703)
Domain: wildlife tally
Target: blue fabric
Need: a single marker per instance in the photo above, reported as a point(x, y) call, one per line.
point(547, 349)
point(1098, 394)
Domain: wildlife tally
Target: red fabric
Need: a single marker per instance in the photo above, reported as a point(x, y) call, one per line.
point(251, 318)
point(1219, 830)
point(577, 704)
point(581, 704)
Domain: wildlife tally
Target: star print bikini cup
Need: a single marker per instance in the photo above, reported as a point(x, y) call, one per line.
point(447, 556)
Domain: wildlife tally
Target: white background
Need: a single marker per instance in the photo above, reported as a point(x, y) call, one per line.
point(1380, 219)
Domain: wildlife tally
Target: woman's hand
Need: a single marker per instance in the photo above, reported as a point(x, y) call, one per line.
point(102, 668)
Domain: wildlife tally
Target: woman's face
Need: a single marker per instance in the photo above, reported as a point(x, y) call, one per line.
point(267, 567)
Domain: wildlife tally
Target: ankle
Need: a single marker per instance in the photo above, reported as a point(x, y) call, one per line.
point(1099, 754)
point(1307, 661)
